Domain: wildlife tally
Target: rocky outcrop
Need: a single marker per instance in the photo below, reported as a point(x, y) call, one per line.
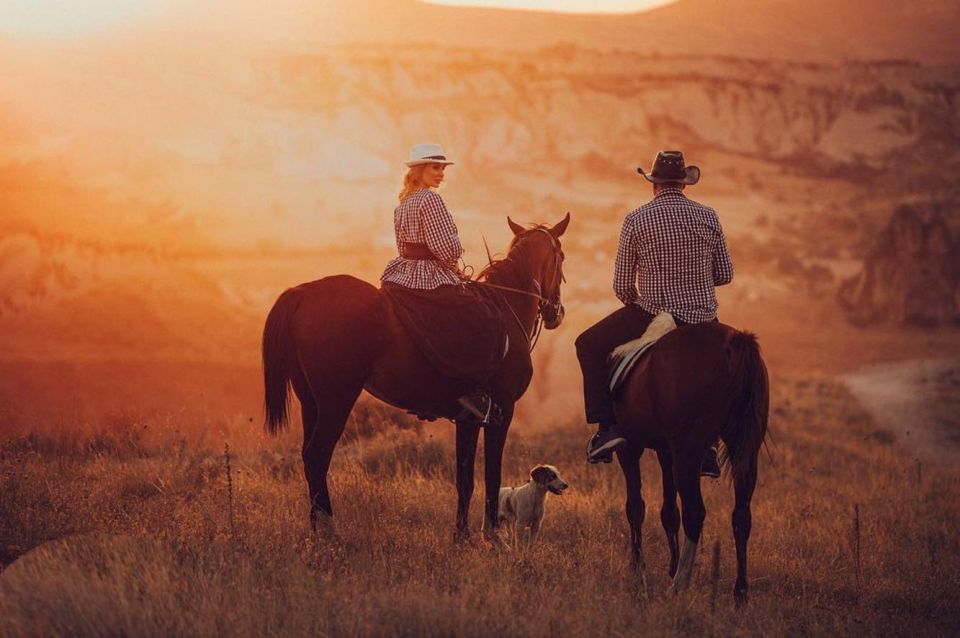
point(911, 276)
point(561, 105)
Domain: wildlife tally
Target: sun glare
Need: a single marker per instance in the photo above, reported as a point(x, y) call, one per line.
point(562, 6)
point(64, 18)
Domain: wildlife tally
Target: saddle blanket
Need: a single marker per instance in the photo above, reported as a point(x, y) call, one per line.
point(624, 357)
point(459, 329)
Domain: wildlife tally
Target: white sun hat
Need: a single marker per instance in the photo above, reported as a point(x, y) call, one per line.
point(427, 154)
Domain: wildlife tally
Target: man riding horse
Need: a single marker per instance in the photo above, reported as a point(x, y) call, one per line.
point(674, 248)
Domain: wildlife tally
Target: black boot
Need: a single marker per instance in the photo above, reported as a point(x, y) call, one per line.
point(607, 439)
point(710, 465)
point(479, 408)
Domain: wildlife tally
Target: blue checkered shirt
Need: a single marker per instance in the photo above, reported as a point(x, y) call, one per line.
point(423, 218)
point(672, 254)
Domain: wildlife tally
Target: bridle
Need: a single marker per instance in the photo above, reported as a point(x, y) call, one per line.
point(543, 302)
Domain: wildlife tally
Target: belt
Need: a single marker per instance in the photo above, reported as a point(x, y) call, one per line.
point(411, 250)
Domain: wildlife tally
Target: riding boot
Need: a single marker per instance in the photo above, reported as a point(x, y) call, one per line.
point(608, 438)
point(710, 465)
point(478, 407)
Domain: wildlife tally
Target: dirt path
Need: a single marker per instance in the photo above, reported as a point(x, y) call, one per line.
point(918, 400)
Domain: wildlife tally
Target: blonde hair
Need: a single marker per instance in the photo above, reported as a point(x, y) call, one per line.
point(412, 181)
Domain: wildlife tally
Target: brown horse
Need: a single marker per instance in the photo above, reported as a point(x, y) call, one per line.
point(334, 337)
point(699, 382)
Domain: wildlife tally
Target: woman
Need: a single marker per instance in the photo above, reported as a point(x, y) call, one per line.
point(457, 330)
point(427, 238)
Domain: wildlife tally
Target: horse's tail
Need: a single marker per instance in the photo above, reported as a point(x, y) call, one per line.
point(746, 425)
point(279, 358)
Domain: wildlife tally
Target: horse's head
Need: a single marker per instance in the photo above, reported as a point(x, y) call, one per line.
point(546, 262)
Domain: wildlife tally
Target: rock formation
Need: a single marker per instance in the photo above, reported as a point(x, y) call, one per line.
point(911, 275)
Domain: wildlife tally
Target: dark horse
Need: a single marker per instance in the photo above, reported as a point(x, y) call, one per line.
point(336, 336)
point(698, 382)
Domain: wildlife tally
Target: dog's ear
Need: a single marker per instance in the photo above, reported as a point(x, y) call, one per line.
point(540, 474)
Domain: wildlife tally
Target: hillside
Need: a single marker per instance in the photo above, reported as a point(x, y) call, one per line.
point(130, 230)
point(911, 275)
point(161, 530)
point(803, 30)
point(283, 149)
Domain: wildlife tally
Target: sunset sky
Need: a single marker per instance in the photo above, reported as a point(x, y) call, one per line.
point(68, 18)
point(56, 18)
point(563, 6)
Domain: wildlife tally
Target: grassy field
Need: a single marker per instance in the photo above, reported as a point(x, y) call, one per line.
point(159, 530)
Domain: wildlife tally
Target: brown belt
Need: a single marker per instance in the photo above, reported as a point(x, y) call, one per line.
point(412, 250)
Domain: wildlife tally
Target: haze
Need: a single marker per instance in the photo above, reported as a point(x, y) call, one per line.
point(163, 177)
point(562, 6)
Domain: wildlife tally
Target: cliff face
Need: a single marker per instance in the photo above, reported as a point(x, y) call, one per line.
point(579, 108)
point(289, 142)
point(107, 180)
point(911, 275)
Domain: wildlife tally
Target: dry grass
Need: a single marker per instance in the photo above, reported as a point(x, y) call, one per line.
point(146, 547)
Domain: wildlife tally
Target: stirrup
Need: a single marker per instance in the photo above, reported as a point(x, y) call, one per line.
point(600, 448)
point(710, 464)
point(491, 416)
point(602, 457)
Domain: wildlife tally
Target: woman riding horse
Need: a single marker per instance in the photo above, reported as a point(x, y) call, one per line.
point(333, 338)
point(424, 277)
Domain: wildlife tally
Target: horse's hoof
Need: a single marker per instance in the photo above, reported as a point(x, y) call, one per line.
point(495, 540)
point(325, 531)
point(461, 537)
point(644, 586)
point(741, 596)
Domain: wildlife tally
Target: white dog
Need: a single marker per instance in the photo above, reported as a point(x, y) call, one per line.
point(522, 506)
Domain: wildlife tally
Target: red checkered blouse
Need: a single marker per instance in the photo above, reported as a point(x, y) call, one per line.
point(423, 218)
point(672, 254)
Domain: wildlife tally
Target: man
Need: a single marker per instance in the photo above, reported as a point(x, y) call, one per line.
point(672, 254)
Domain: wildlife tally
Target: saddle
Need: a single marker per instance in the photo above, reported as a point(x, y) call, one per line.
point(624, 357)
point(459, 329)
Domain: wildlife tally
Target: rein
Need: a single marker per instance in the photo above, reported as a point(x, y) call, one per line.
point(538, 322)
point(534, 336)
point(536, 296)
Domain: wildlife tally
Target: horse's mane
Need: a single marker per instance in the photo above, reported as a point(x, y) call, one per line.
point(505, 268)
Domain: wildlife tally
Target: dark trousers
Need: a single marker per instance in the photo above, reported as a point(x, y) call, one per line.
point(593, 347)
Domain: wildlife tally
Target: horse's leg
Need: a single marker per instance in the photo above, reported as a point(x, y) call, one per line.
point(494, 440)
point(309, 416)
point(467, 434)
point(330, 408)
point(687, 477)
point(629, 458)
point(742, 521)
point(669, 512)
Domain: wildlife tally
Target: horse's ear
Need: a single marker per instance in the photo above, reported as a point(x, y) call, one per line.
point(515, 227)
point(560, 228)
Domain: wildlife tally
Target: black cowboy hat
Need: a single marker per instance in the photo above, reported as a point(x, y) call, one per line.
point(669, 168)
